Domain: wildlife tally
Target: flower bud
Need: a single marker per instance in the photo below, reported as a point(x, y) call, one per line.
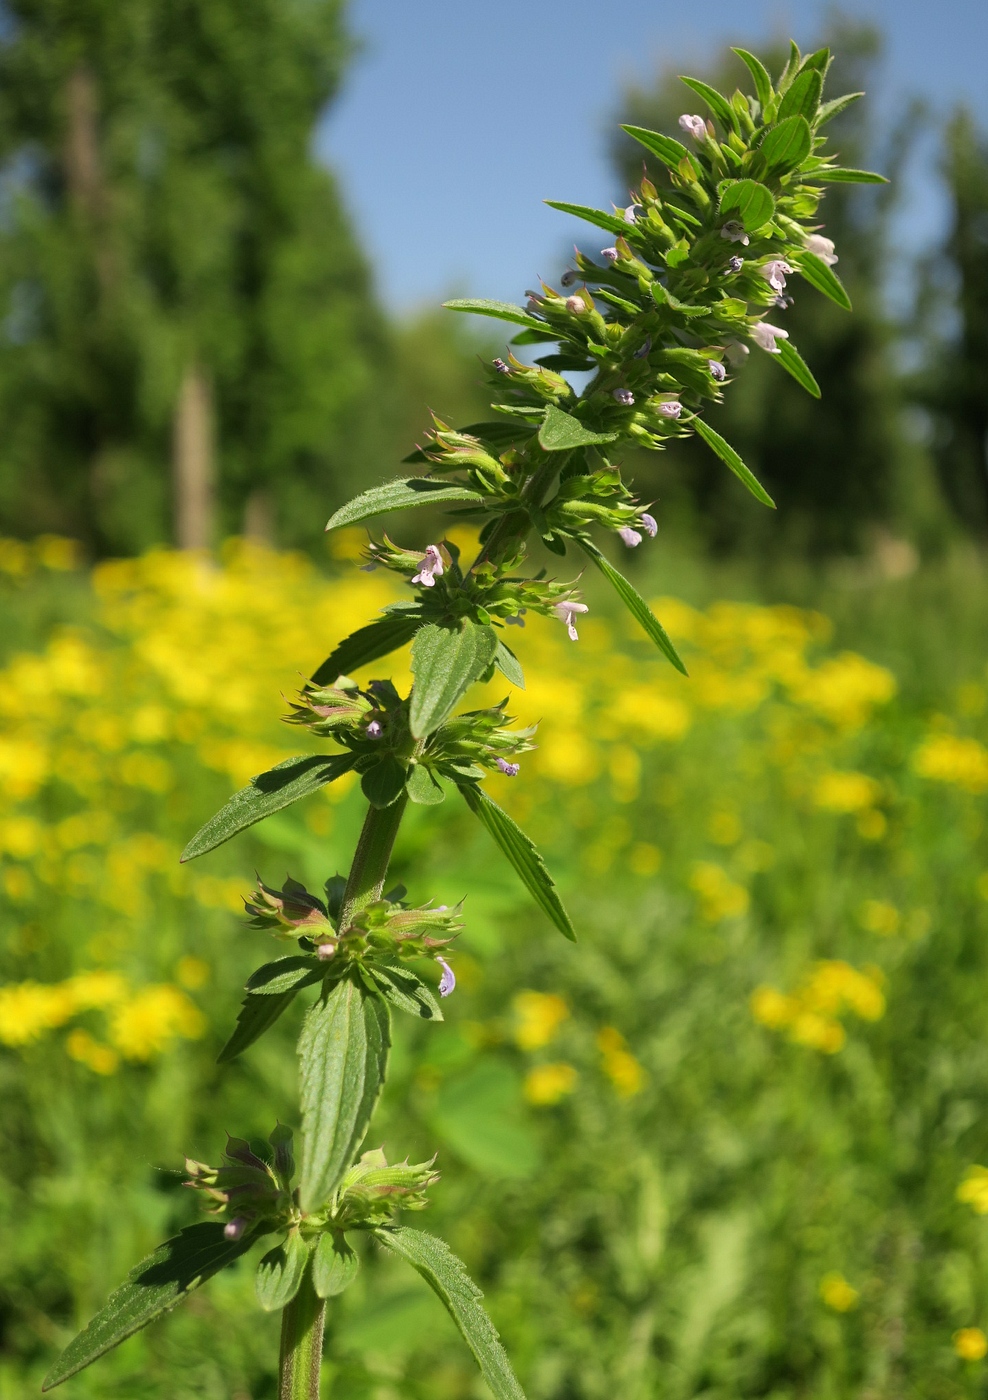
point(693, 126)
point(576, 304)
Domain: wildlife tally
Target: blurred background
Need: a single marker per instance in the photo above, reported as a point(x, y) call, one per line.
point(735, 1143)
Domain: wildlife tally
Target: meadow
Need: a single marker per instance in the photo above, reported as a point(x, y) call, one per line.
point(742, 1153)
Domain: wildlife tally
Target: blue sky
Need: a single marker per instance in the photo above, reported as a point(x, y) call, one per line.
point(459, 117)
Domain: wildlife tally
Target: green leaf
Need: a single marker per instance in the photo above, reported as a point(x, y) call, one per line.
point(269, 792)
point(717, 103)
point(509, 665)
point(787, 145)
point(561, 432)
point(383, 784)
point(522, 854)
point(835, 175)
point(663, 297)
point(832, 109)
point(792, 361)
point(759, 74)
point(404, 989)
point(500, 310)
point(280, 1273)
point(335, 1265)
point(258, 1014)
point(343, 1054)
point(635, 604)
point(422, 787)
point(154, 1287)
point(727, 454)
point(447, 1277)
point(367, 644)
point(400, 495)
point(286, 973)
point(753, 202)
point(613, 223)
point(445, 663)
point(822, 276)
point(803, 96)
point(669, 151)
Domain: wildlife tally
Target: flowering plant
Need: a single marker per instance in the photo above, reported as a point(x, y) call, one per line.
point(677, 300)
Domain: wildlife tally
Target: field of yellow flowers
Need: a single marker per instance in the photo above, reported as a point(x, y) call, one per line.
point(732, 1144)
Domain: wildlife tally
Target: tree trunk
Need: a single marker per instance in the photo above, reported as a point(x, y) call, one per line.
point(193, 464)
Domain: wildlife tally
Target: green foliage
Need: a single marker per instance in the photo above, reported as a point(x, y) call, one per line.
point(636, 605)
point(280, 1273)
point(399, 495)
point(334, 1265)
point(445, 663)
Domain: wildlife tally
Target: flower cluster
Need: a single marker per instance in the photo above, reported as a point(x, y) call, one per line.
point(252, 1186)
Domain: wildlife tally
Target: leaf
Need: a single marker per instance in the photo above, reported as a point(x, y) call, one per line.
point(727, 454)
point(280, 1273)
point(613, 223)
point(522, 854)
point(820, 275)
point(284, 974)
point(405, 990)
point(383, 784)
point(829, 110)
point(269, 792)
point(791, 360)
point(367, 644)
point(717, 103)
point(759, 74)
point(669, 151)
point(399, 495)
point(803, 96)
point(753, 202)
point(448, 1278)
point(335, 1265)
point(561, 432)
point(343, 1054)
point(445, 663)
point(500, 310)
point(635, 604)
point(835, 175)
point(154, 1287)
point(422, 787)
point(509, 665)
point(787, 145)
point(257, 1015)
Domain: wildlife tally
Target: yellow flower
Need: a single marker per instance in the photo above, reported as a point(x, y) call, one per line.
point(970, 1344)
point(846, 792)
point(546, 1084)
point(644, 859)
point(973, 1190)
point(772, 1008)
point(144, 1027)
point(720, 897)
point(946, 758)
point(620, 1066)
point(837, 1293)
point(29, 1009)
point(538, 1016)
point(99, 1058)
point(878, 916)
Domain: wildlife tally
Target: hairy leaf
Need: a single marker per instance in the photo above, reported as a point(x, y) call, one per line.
point(445, 663)
point(367, 644)
point(343, 1054)
point(399, 495)
point(716, 101)
point(334, 1266)
point(635, 604)
point(668, 150)
point(405, 990)
point(269, 792)
point(835, 175)
point(727, 454)
point(803, 96)
point(613, 223)
point(422, 787)
point(509, 665)
point(820, 275)
point(500, 310)
point(280, 1273)
point(299, 970)
point(257, 1015)
point(383, 784)
point(759, 74)
point(448, 1278)
point(752, 202)
point(791, 360)
point(787, 145)
point(561, 432)
point(833, 109)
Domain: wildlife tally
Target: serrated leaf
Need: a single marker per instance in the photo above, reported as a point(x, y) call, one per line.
point(422, 787)
point(787, 145)
point(803, 95)
point(792, 361)
point(835, 175)
point(280, 1273)
point(759, 74)
point(820, 275)
point(404, 989)
point(509, 665)
point(384, 783)
point(829, 110)
point(368, 644)
point(269, 792)
point(154, 1287)
point(668, 150)
point(613, 223)
point(299, 970)
point(727, 454)
point(343, 1055)
point(561, 432)
point(754, 203)
point(635, 604)
point(716, 101)
point(522, 854)
point(500, 310)
point(258, 1014)
point(400, 495)
point(447, 1277)
point(445, 663)
point(334, 1265)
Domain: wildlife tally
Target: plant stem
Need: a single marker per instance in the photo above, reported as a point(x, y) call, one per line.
point(371, 858)
point(301, 1344)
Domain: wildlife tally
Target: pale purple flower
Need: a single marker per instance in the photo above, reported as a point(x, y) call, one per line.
point(510, 770)
point(374, 730)
point(734, 263)
point(737, 352)
point(765, 336)
point(610, 254)
point(629, 536)
point(644, 349)
point(624, 397)
point(566, 611)
point(431, 569)
point(775, 274)
point(693, 126)
point(501, 367)
point(650, 525)
point(822, 247)
point(629, 215)
point(672, 409)
point(325, 951)
point(734, 233)
point(233, 1229)
point(568, 277)
point(717, 371)
point(576, 304)
point(447, 982)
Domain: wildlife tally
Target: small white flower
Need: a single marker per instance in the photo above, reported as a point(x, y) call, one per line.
point(568, 277)
point(669, 410)
point(734, 232)
point(623, 396)
point(775, 274)
point(650, 525)
point(233, 1229)
point(737, 352)
point(610, 255)
point(448, 981)
point(717, 370)
point(693, 126)
point(576, 304)
point(765, 336)
point(822, 247)
point(629, 215)
point(630, 537)
point(432, 568)
point(566, 612)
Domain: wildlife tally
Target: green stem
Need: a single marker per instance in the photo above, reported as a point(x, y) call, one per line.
point(506, 530)
point(301, 1344)
point(371, 858)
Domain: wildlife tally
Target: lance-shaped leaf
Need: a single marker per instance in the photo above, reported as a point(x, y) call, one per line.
point(749, 201)
point(509, 665)
point(803, 95)
point(285, 974)
point(668, 150)
point(334, 1266)
point(500, 310)
point(404, 989)
point(445, 663)
point(613, 223)
point(153, 1288)
point(820, 275)
point(367, 644)
point(257, 1015)
point(635, 604)
point(791, 360)
point(836, 175)
point(280, 1273)
point(522, 854)
point(343, 1054)
point(399, 495)
point(759, 73)
point(716, 101)
point(727, 454)
point(561, 432)
point(834, 108)
point(269, 792)
point(788, 144)
point(447, 1277)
